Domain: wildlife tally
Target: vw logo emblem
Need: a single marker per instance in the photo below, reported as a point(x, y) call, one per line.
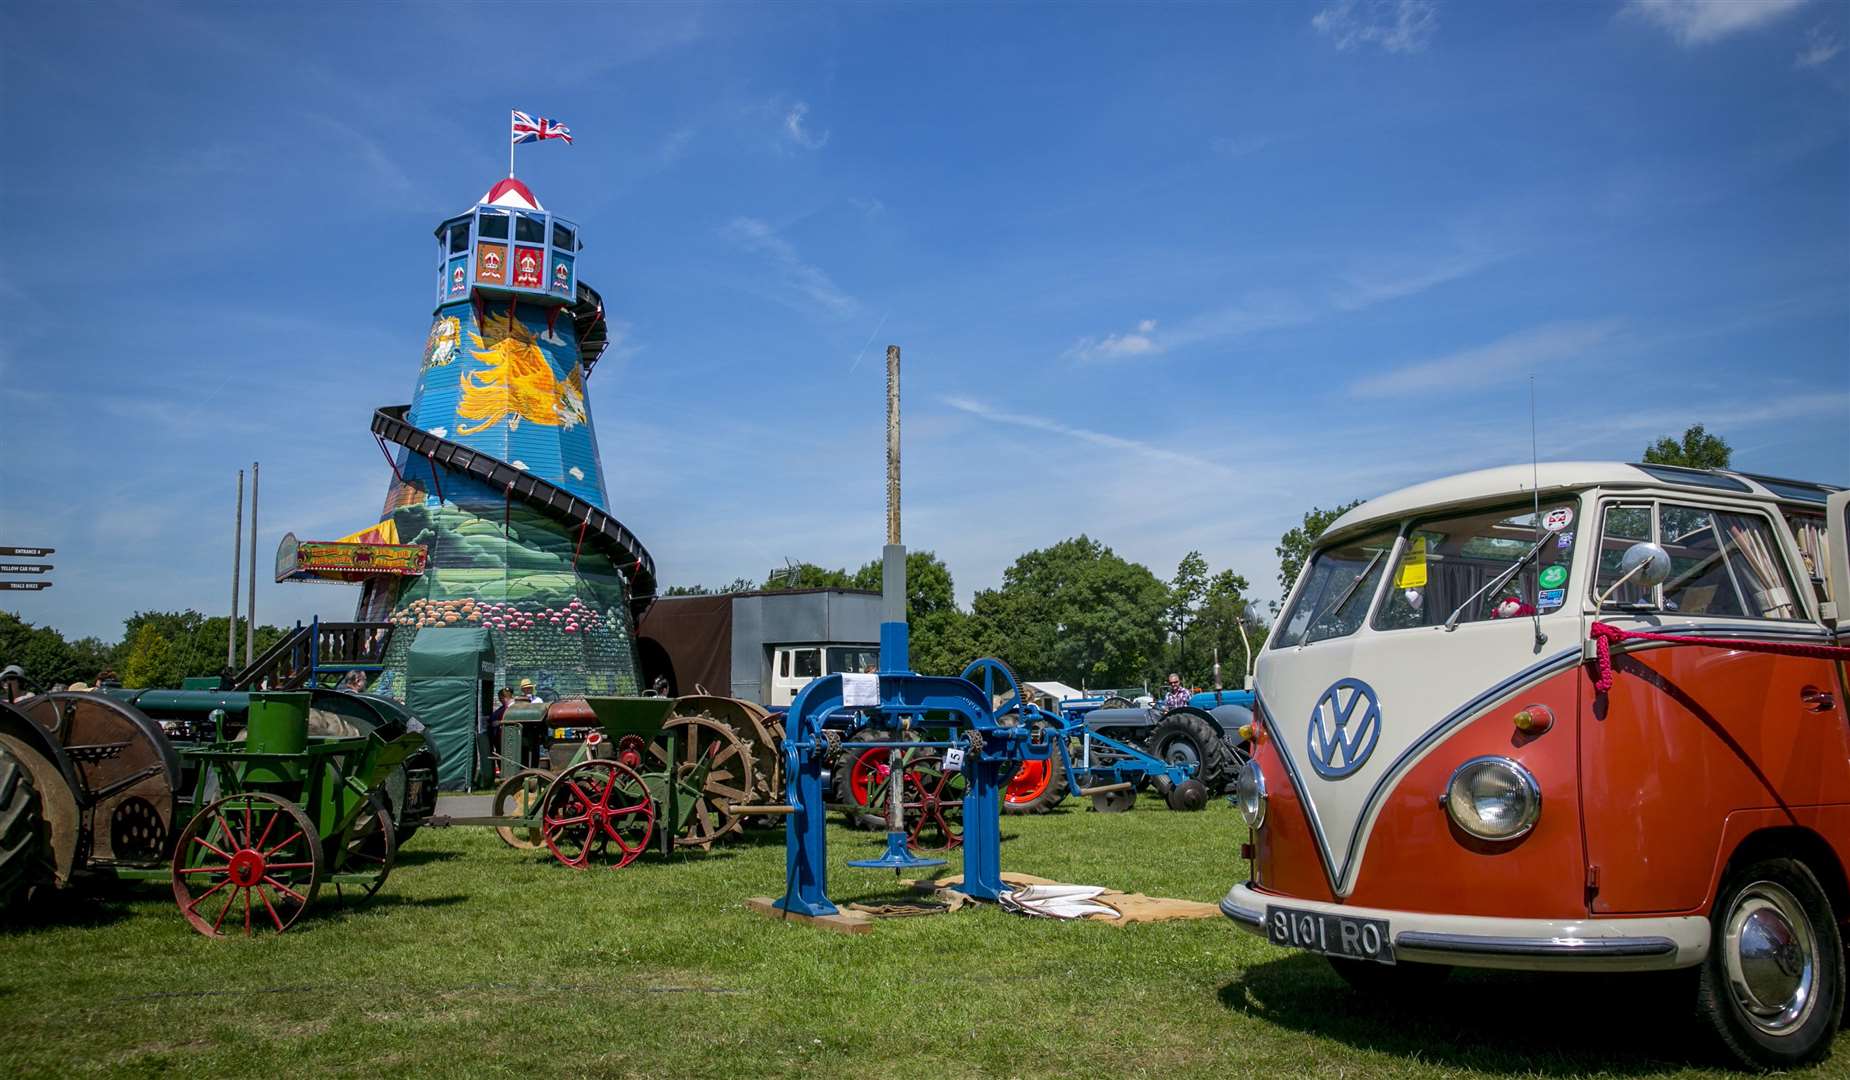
point(1344, 725)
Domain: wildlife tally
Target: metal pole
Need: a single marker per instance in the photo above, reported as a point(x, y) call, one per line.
point(510, 147)
point(895, 646)
point(237, 551)
point(892, 444)
point(250, 617)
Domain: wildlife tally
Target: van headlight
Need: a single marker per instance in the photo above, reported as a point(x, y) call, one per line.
point(1493, 798)
point(1249, 793)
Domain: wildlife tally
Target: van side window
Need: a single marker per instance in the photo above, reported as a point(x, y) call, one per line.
point(1722, 563)
point(809, 663)
point(1809, 531)
point(1623, 527)
point(783, 665)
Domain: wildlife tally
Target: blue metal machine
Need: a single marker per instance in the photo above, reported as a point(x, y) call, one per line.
point(953, 706)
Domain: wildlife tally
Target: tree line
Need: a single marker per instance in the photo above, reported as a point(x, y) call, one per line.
point(157, 648)
point(1076, 612)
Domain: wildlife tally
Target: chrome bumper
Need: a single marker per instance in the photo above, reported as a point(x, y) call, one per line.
point(1640, 944)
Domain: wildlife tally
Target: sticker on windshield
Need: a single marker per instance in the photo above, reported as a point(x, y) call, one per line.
point(1553, 577)
point(1550, 598)
point(1558, 519)
point(1564, 541)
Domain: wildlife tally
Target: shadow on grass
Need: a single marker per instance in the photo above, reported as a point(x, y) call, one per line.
point(1532, 1023)
point(423, 856)
point(69, 909)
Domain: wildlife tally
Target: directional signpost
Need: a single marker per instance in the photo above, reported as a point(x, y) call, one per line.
point(24, 568)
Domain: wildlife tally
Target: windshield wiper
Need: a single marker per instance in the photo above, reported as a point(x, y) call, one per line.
point(1500, 580)
point(1311, 627)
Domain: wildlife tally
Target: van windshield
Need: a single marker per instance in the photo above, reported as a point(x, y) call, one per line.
point(1337, 589)
point(1448, 560)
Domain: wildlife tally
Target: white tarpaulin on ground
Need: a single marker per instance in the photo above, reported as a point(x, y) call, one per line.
point(1057, 901)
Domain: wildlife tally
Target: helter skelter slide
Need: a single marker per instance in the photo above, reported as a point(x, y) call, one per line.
point(495, 516)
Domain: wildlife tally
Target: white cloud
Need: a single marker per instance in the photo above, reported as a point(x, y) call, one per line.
point(810, 282)
point(1698, 22)
point(1821, 47)
point(1117, 346)
point(799, 132)
point(1097, 438)
point(1378, 284)
point(1468, 369)
point(1239, 146)
point(1263, 310)
point(1398, 26)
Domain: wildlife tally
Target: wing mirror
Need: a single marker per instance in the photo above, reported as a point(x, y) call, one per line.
point(1644, 561)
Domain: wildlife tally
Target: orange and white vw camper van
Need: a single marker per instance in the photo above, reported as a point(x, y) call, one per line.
point(1568, 716)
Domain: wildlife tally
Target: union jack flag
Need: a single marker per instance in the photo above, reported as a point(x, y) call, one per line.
point(527, 129)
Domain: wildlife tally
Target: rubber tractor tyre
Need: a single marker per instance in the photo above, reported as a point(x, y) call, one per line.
point(25, 841)
point(845, 782)
point(1187, 737)
point(1035, 787)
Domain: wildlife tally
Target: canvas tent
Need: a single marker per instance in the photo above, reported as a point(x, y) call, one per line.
point(449, 672)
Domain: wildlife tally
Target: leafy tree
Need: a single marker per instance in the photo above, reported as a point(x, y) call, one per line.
point(941, 643)
point(1697, 450)
point(196, 642)
point(1225, 612)
point(151, 659)
point(736, 585)
point(806, 576)
point(1076, 612)
point(1186, 591)
point(1294, 547)
point(40, 651)
point(928, 583)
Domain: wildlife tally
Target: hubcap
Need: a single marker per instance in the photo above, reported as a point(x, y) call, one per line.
point(1181, 752)
point(246, 868)
point(1772, 958)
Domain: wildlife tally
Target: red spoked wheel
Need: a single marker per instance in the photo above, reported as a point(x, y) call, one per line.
point(934, 800)
point(931, 801)
point(600, 809)
point(252, 860)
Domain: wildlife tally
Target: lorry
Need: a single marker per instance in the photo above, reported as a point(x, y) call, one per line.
point(760, 646)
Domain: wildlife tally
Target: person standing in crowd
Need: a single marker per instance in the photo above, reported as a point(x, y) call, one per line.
point(495, 719)
point(1177, 694)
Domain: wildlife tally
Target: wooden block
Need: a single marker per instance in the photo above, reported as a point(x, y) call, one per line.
point(842, 922)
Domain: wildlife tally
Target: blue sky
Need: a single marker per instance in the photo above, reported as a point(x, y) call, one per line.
point(1168, 275)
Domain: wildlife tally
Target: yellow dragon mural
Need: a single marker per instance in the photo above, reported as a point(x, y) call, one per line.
point(517, 383)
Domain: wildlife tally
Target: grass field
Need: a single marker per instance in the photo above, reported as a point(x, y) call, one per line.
point(476, 960)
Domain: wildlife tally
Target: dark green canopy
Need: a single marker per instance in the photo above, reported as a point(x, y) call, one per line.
point(444, 675)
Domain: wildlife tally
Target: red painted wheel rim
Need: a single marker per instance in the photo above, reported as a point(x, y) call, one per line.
point(247, 863)
point(868, 772)
point(597, 809)
point(1029, 783)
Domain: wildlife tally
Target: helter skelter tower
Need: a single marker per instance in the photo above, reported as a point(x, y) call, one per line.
point(495, 466)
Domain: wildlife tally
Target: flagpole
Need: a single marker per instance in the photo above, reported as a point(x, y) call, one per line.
point(510, 148)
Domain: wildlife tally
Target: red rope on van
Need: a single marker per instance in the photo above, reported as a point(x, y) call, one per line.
point(1605, 634)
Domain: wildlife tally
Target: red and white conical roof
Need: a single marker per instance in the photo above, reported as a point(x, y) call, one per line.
point(513, 195)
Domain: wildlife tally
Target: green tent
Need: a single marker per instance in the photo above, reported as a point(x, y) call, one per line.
point(445, 677)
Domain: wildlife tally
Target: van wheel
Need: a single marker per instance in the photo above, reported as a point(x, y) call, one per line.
point(1773, 983)
point(1372, 978)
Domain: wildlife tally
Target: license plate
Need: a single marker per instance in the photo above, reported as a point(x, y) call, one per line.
point(1335, 935)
